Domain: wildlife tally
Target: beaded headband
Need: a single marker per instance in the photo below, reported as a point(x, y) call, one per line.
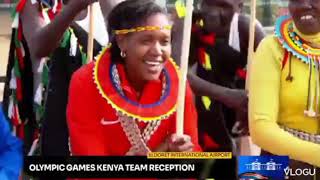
point(142, 28)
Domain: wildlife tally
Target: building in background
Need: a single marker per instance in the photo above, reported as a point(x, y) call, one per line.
point(7, 3)
point(5, 35)
point(268, 10)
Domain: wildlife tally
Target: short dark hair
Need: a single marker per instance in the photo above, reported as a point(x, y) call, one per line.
point(129, 14)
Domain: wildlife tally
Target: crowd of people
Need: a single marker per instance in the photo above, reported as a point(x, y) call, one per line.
point(130, 89)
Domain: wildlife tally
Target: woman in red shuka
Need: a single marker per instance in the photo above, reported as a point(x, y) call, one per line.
point(124, 103)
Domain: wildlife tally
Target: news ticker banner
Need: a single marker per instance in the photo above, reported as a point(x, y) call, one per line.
point(156, 165)
point(189, 155)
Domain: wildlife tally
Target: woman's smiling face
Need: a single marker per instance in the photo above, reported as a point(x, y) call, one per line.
point(147, 51)
point(306, 15)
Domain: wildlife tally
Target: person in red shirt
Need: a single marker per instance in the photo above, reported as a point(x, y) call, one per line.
point(124, 103)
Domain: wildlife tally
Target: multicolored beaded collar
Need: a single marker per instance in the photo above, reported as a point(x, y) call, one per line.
point(294, 44)
point(107, 82)
point(300, 48)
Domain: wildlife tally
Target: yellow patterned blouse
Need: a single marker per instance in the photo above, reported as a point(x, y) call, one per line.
point(274, 101)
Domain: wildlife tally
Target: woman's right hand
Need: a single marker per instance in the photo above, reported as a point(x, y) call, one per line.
point(176, 143)
point(180, 143)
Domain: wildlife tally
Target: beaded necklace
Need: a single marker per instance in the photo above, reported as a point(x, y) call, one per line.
point(306, 53)
point(107, 80)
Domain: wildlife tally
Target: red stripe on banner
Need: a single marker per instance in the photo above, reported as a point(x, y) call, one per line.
point(241, 73)
point(20, 5)
point(209, 143)
point(36, 134)
point(201, 56)
point(59, 7)
point(15, 120)
point(19, 89)
point(20, 131)
point(208, 39)
point(20, 58)
point(195, 28)
point(50, 14)
point(20, 31)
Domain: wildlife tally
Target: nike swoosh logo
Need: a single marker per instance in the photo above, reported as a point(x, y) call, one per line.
point(105, 123)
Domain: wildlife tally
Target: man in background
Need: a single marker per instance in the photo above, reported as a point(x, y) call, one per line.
point(218, 56)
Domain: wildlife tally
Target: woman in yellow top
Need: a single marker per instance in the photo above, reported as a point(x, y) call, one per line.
point(284, 90)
